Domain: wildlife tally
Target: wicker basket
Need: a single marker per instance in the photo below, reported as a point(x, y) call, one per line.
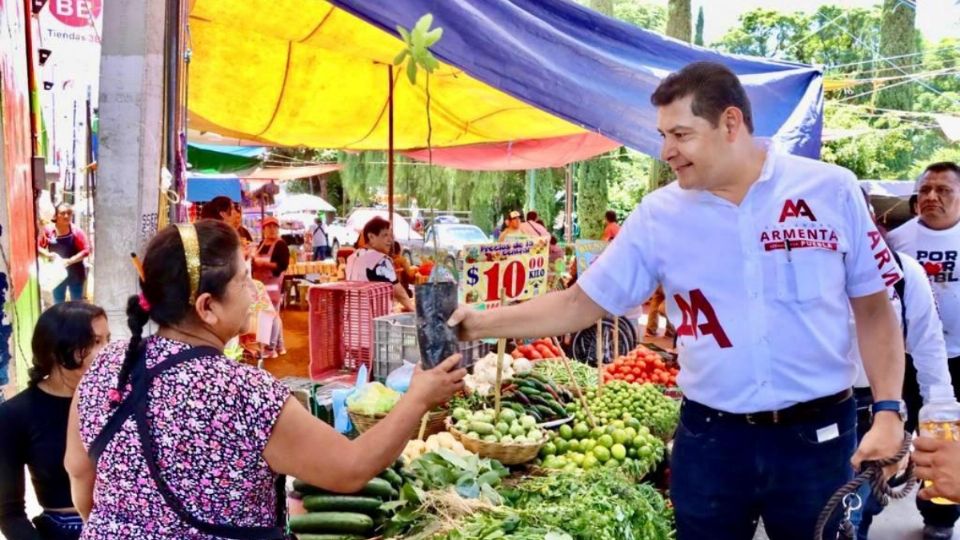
point(506, 453)
point(436, 422)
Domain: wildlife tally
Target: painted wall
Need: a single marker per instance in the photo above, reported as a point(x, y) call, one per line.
point(18, 285)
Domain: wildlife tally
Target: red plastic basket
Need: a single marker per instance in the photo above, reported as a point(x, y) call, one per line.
point(340, 324)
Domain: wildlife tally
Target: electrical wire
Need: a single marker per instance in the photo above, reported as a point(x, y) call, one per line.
point(886, 58)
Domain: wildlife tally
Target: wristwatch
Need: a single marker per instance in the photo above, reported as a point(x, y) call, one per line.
point(897, 406)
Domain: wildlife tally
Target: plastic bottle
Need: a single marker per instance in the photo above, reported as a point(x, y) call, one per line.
point(940, 419)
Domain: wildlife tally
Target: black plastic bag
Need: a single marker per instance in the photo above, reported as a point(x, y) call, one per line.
point(436, 302)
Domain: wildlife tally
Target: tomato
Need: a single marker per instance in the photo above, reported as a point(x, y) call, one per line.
point(534, 355)
point(630, 378)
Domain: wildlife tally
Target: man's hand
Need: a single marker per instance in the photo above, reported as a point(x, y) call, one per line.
point(939, 462)
point(883, 441)
point(466, 318)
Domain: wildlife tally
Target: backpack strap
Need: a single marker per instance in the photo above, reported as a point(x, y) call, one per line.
point(901, 287)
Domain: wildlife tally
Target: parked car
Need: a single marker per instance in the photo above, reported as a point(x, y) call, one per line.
point(345, 232)
point(451, 238)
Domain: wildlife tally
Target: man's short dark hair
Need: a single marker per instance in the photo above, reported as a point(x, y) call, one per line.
point(611, 216)
point(216, 206)
point(943, 166)
point(375, 226)
point(532, 215)
point(714, 89)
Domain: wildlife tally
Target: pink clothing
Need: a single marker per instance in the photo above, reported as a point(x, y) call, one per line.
point(211, 419)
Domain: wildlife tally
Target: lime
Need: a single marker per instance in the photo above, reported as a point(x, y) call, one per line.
point(580, 430)
point(618, 451)
point(577, 458)
point(548, 449)
point(601, 453)
point(570, 467)
point(587, 445)
point(605, 440)
point(589, 461)
point(618, 424)
point(620, 436)
point(562, 446)
point(632, 452)
point(596, 432)
point(631, 433)
point(573, 445)
point(612, 464)
point(566, 432)
point(645, 451)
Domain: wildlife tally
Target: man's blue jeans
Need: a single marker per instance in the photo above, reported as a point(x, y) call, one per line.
point(726, 474)
point(60, 291)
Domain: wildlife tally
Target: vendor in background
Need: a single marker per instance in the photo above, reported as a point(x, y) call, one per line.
point(318, 234)
point(612, 228)
point(221, 432)
point(269, 264)
point(68, 242)
point(219, 208)
point(402, 265)
point(33, 425)
point(236, 221)
point(532, 227)
point(512, 228)
point(373, 263)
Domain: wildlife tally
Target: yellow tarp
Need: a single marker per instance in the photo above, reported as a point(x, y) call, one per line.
point(292, 72)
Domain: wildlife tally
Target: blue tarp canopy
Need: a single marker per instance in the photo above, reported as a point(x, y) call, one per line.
point(595, 71)
point(204, 187)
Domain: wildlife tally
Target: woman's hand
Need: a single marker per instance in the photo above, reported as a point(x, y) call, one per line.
point(436, 386)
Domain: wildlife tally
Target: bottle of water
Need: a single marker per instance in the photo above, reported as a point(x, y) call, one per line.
point(940, 419)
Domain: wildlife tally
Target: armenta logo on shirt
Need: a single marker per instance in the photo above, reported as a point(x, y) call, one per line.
point(889, 271)
point(939, 265)
point(796, 210)
point(691, 326)
point(803, 231)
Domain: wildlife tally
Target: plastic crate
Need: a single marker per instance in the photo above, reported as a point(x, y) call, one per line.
point(396, 341)
point(340, 324)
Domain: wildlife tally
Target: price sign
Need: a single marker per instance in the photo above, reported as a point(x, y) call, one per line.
point(587, 252)
point(519, 268)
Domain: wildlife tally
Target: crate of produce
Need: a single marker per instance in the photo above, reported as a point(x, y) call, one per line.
point(340, 324)
point(395, 340)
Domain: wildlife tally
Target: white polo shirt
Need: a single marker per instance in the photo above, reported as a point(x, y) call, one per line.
point(924, 333)
point(760, 327)
point(937, 252)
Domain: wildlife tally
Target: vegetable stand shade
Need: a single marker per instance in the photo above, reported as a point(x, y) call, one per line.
point(340, 324)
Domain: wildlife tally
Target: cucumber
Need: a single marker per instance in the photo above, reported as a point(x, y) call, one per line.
point(328, 537)
point(483, 428)
point(391, 476)
point(378, 487)
point(341, 503)
point(332, 522)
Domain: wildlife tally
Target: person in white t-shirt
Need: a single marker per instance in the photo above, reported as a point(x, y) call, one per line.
point(933, 239)
point(761, 256)
point(372, 262)
point(926, 360)
point(318, 236)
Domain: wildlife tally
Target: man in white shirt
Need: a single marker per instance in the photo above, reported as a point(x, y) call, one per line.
point(934, 241)
point(761, 256)
point(926, 361)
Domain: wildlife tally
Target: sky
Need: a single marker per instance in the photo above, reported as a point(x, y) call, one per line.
point(936, 19)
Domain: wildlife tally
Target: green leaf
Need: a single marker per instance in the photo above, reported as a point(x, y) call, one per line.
point(433, 36)
point(412, 72)
point(430, 63)
point(453, 459)
point(404, 34)
point(424, 23)
point(399, 58)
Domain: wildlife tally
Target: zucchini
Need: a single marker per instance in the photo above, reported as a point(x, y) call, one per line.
point(306, 489)
point(332, 522)
point(341, 503)
point(482, 428)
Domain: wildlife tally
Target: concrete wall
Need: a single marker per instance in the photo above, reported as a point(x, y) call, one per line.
point(131, 140)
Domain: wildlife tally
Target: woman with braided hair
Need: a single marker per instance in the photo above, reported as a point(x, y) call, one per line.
point(168, 438)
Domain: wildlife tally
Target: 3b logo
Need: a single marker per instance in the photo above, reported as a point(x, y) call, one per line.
point(796, 210)
point(77, 13)
point(691, 325)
